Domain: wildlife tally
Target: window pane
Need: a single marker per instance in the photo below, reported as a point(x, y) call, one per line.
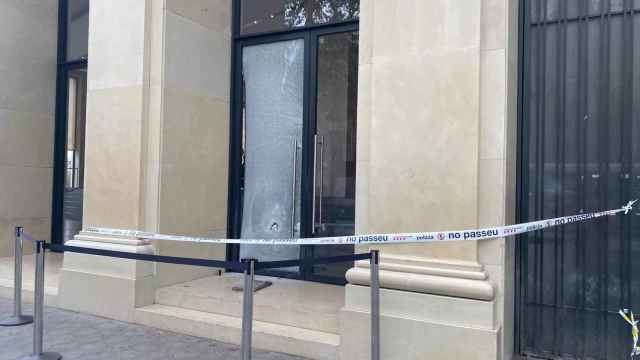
point(74, 170)
point(337, 96)
point(276, 15)
point(77, 29)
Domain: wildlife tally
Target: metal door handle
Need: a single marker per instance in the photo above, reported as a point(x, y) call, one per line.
point(313, 196)
point(321, 182)
point(293, 187)
point(317, 139)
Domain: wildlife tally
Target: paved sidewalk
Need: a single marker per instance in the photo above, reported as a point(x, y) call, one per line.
point(84, 337)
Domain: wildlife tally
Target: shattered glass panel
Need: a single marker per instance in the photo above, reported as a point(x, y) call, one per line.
point(273, 113)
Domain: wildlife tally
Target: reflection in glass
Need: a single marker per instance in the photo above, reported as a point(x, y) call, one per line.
point(275, 15)
point(336, 112)
point(273, 107)
point(74, 162)
point(77, 29)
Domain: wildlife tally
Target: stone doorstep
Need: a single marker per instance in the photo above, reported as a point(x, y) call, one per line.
point(266, 336)
point(293, 303)
point(292, 340)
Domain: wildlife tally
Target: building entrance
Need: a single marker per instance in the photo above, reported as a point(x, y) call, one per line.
point(294, 127)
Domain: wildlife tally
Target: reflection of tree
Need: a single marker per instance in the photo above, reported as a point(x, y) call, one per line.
point(269, 15)
point(306, 12)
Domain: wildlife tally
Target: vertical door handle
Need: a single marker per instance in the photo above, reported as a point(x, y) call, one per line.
point(315, 169)
point(320, 198)
point(293, 188)
point(318, 139)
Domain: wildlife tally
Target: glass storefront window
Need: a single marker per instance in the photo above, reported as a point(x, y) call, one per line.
point(74, 161)
point(69, 194)
point(260, 16)
point(77, 29)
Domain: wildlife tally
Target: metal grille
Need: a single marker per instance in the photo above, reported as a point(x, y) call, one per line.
point(580, 152)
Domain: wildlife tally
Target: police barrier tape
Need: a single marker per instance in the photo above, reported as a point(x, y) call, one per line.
point(380, 239)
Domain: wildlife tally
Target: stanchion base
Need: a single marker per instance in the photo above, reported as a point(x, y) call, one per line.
point(16, 320)
point(43, 356)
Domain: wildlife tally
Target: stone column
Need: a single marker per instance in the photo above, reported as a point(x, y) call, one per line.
point(195, 132)
point(157, 146)
point(420, 159)
point(119, 178)
point(498, 155)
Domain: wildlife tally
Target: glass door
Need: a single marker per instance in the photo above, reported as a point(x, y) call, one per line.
point(294, 146)
point(335, 114)
point(273, 88)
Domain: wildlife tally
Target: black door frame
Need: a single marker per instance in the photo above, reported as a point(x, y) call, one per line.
point(60, 128)
point(310, 36)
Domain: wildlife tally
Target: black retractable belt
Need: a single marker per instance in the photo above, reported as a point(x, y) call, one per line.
point(232, 265)
point(316, 261)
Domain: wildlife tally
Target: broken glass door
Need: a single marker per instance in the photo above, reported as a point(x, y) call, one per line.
point(272, 115)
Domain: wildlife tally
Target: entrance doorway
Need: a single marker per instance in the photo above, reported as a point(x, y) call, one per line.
point(294, 142)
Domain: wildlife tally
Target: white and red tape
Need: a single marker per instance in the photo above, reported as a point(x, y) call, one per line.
point(379, 239)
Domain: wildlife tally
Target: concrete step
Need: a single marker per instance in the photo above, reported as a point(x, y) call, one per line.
point(300, 304)
point(266, 336)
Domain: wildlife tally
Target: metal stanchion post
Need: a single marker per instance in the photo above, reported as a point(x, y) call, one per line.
point(247, 308)
point(375, 304)
point(17, 318)
point(38, 311)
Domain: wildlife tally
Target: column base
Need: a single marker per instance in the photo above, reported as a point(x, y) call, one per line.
point(417, 326)
point(105, 286)
point(17, 320)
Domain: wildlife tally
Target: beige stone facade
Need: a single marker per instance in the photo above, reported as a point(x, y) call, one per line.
point(436, 149)
point(27, 107)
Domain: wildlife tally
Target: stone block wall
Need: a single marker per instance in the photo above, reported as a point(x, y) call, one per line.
point(28, 55)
